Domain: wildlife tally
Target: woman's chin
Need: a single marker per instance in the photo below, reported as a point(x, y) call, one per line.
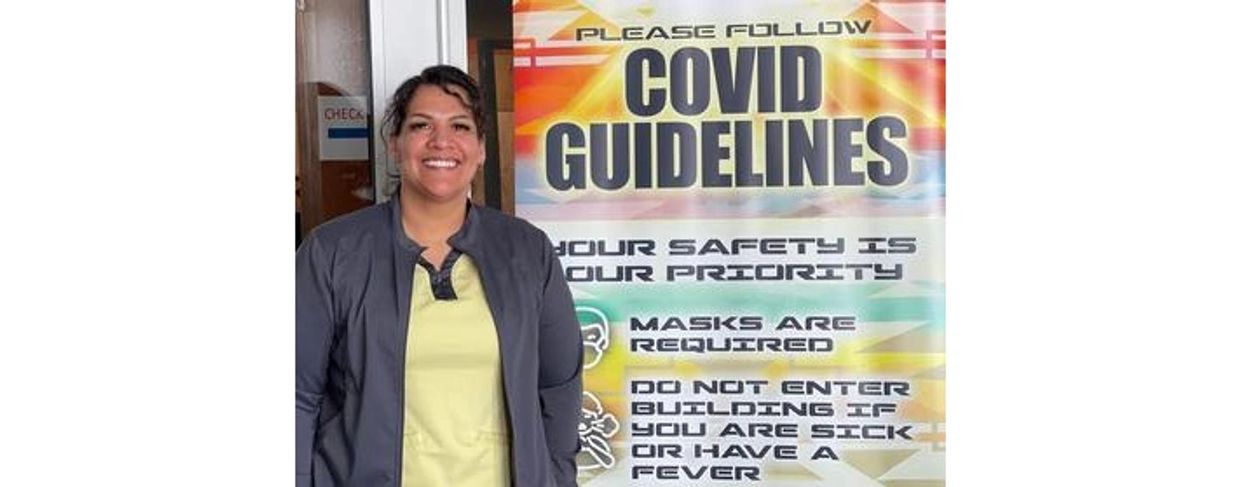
point(435, 194)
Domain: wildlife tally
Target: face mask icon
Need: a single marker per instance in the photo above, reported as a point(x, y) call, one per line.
point(595, 334)
point(595, 427)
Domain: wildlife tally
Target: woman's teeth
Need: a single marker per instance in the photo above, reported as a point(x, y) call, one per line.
point(440, 163)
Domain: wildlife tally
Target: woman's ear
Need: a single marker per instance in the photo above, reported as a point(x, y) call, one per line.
point(390, 145)
point(482, 142)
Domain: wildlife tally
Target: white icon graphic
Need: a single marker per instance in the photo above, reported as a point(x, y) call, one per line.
point(594, 334)
point(595, 428)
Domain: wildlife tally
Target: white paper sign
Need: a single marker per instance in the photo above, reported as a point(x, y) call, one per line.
point(344, 131)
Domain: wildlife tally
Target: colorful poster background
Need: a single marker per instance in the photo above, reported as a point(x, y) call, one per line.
point(773, 319)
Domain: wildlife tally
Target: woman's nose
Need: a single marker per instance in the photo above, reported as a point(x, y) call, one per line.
point(438, 137)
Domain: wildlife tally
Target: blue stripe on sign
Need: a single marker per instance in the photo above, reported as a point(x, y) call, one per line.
point(348, 133)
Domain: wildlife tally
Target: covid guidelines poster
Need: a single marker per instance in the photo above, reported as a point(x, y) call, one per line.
point(748, 200)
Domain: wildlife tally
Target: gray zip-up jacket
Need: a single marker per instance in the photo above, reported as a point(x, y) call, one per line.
point(353, 289)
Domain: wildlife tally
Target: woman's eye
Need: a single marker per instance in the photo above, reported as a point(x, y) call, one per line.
point(418, 126)
point(463, 127)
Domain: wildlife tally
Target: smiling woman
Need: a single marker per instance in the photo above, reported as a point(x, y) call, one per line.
point(439, 147)
point(437, 342)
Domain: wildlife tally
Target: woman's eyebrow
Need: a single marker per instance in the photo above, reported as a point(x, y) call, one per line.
point(452, 117)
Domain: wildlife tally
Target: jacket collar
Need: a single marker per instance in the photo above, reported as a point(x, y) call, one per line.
point(467, 239)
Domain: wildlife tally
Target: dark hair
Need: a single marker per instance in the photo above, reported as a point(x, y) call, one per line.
point(442, 76)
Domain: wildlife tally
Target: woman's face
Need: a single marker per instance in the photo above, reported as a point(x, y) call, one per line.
point(438, 145)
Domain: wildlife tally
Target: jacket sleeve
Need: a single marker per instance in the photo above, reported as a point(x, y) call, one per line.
point(314, 335)
point(559, 371)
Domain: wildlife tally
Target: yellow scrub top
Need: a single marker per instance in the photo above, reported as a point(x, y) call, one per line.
point(456, 428)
